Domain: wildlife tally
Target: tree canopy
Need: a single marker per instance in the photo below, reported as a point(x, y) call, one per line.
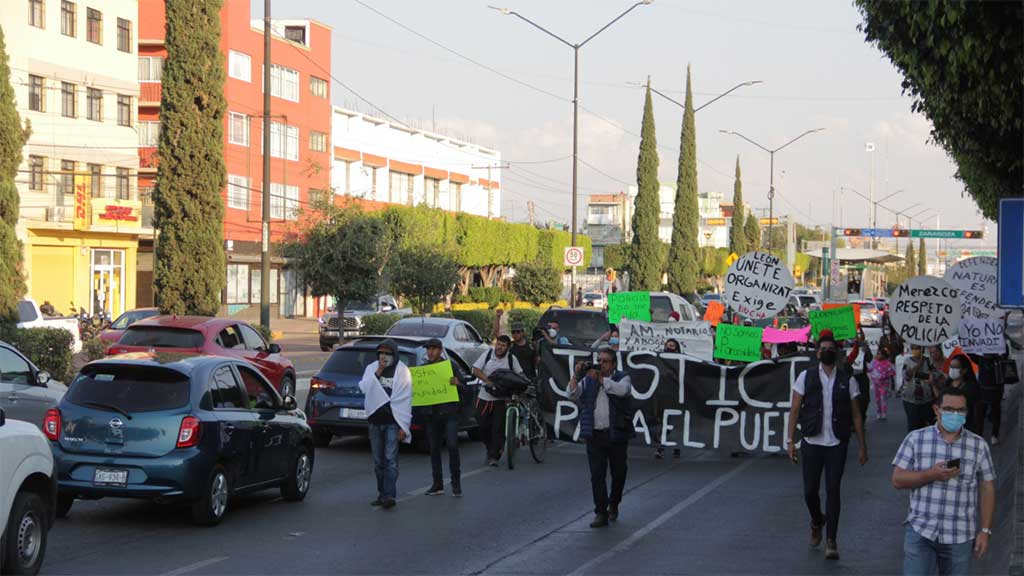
point(645, 265)
point(12, 139)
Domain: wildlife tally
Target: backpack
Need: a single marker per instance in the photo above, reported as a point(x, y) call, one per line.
point(488, 360)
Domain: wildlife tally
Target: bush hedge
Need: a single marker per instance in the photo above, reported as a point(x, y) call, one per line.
point(378, 324)
point(491, 295)
point(47, 348)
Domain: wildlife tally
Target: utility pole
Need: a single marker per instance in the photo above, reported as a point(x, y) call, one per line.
point(490, 191)
point(873, 214)
point(265, 240)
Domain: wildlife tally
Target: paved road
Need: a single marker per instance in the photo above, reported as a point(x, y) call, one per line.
point(707, 513)
point(304, 351)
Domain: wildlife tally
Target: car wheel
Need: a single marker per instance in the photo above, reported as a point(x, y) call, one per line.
point(288, 385)
point(64, 502)
point(296, 486)
point(322, 438)
point(209, 509)
point(25, 544)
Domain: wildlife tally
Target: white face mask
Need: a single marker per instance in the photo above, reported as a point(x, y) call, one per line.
point(954, 373)
point(386, 359)
point(552, 332)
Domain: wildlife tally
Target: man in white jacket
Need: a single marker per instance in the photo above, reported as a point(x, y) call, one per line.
point(387, 387)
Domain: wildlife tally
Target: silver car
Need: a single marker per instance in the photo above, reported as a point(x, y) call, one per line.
point(26, 392)
point(457, 335)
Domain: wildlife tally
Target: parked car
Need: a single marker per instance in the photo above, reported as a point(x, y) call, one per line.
point(335, 405)
point(28, 496)
point(582, 326)
point(118, 326)
point(595, 300)
point(177, 427)
point(457, 335)
point(665, 303)
point(332, 328)
point(870, 314)
point(710, 297)
point(804, 302)
point(790, 317)
point(29, 316)
point(206, 335)
point(26, 392)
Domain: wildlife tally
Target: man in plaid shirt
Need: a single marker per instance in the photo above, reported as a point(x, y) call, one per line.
point(941, 465)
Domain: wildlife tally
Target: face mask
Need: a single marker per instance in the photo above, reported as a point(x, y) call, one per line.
point(953, 422)
point(552, 332)
point(954, 373)
point(386, 359)
point(613, 341)
point(828, 356)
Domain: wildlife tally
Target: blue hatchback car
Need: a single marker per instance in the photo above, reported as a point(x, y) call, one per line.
point(174, 427)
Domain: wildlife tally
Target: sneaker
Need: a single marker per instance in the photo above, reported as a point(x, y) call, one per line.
point(492, 462)
point(613, 512)
point(435, 490)
point(659, 453)
point(600, 521)
point(832, 550)
point(456, 491)
point(677, 453)
point(995, 440)
point(816, 534)
point(377, 502)
point(388, 503)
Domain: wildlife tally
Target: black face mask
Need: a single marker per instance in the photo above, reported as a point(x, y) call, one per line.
point(828, 357)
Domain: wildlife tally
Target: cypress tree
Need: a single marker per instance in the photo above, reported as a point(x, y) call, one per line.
point(737, 234)
point(645, 254)
point(683, 268)
point(752, 230)
point(908, 264)
point(12, 139)
point(922, 259)
point(189, 271)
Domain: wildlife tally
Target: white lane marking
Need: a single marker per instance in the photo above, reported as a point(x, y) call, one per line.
point(644, 531)
point(421, 491)
point(302, 384)
point(195, 566)
point(307, 372)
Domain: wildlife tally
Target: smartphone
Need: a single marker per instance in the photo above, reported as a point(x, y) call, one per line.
point(954, 463)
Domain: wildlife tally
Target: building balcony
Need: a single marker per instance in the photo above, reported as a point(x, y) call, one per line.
point(148, 158)
point(150, 93)
point(602, 220)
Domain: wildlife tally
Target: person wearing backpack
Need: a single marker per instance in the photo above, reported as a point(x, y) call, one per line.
point(606, 423)
point(490, 410)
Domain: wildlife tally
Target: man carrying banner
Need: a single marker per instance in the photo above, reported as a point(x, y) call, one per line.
point(443, 426)
point(825, 404)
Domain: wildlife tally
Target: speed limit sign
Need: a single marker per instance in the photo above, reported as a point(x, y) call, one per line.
point(573, 256)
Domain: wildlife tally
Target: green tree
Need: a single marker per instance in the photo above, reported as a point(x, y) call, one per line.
point(737, 234)
point(424, 275)
point(538, 281)
point(644, 262)
point(962, 63)
point(752, 231)
point(683, 268)
point(909, 265)
point(12, 138)
point(188, 209)
point(922, 259)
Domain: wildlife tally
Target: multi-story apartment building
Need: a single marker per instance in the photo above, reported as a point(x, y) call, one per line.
point(74, 69)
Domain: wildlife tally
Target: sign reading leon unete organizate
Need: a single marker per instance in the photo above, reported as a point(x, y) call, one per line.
point(757, 285)
point(976, 279)
point(926, 311)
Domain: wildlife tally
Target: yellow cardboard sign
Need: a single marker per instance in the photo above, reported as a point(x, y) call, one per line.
point(431, 384)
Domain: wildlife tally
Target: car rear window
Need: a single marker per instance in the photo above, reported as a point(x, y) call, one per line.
point(580, 328)
point(161, 337)
point(129, 318)
point(130, 388)
point(355, 361)
point(414, 328)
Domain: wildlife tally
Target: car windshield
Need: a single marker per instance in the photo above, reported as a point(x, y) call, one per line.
point(709, 297)
point(128, 318)
point(129, 388)
point(418, 328)
point(807, 301)
point(593, 296)
point(581, 328)
point(355, 360)
point(360, 306)
point(26, 311)
point(161, 337)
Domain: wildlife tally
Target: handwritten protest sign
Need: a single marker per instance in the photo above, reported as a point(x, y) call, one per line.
point(926, 311)
point(976, 280)
point(714, 312)
point(629, 306)
point(839, 320)
point(776, 336)
point(741, 343)
point(431, 384)
point(982, 336)
point(757, 285)
point(694, 338)
point(834, 305)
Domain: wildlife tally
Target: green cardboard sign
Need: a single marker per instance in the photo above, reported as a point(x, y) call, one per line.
point(431, 384)
point(629, 305)
point(839, 320)
point(741, 343)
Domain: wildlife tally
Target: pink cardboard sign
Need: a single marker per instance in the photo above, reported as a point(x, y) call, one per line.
point(776, 336)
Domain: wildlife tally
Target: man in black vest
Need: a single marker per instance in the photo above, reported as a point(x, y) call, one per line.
point(825, 404)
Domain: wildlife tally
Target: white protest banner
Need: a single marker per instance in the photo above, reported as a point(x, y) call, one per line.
point(926, 311)
point(757, 285)
point(694, 338)
point(976, 280)
point(982, 336)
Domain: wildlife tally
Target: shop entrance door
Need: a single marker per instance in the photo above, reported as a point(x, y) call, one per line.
point(107, 282)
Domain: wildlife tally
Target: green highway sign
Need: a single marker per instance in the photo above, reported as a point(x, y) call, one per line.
point(967, 234)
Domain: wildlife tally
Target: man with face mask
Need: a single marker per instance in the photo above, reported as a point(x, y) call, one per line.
point(942, 465)
point(825, 404)
point(387, 387)
point(443, 425)
point(490, 410)
point(553, 334)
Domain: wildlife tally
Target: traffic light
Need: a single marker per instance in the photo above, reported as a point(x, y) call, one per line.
point(899, 233)
point(851, 232)
point(973, 234)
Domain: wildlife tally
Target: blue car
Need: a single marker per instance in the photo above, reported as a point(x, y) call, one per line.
point(172, 427)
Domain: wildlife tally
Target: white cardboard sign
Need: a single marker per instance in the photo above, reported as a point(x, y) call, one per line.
point(926, 311)
point(694, 338)
point(982, 336)
point(976, 279)
point(757, 285)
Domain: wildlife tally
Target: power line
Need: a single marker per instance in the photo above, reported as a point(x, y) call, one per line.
point(603, 173)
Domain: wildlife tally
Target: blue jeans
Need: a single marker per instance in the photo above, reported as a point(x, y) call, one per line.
point(384, 445)
point(922, 556)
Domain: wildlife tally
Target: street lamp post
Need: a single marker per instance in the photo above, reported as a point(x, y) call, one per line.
point(575, 99)
point(771, 184)
point(709, 102)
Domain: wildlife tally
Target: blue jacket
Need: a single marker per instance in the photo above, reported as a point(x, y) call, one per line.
point(616, 405)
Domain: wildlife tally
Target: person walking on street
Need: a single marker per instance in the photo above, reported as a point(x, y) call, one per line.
point(961, 377)
point(524, 351)
point(490, 410)
point(941, 465)
point(881, 372)
point(917, 389)
point(443, 426)
point(606, 424)
point(825, 404)
point(387, 387)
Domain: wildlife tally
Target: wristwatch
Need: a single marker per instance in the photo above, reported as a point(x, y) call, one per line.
point(986, 531)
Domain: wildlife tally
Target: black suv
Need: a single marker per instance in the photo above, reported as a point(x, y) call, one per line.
point(582, 326)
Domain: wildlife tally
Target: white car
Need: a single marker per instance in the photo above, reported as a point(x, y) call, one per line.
point(28, 496)
point(594, 300)
point(30, 316)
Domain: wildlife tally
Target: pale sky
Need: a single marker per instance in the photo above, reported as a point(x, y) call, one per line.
point(816, 68)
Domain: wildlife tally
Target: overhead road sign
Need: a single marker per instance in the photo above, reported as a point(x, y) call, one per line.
point(965, 234)
point(1010, 272)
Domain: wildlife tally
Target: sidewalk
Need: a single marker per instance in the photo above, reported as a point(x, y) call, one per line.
point(294, 327)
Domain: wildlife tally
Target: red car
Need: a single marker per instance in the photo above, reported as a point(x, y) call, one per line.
point(206, 335)
point(117, 327)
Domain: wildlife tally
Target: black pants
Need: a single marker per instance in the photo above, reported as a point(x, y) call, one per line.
point(490, 415)
point(443, 429)
point(918, 415)
point(991, 402)
point(603, 455)
point(831, 459)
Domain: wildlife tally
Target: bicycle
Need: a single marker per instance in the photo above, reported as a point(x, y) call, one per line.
point(524, 425)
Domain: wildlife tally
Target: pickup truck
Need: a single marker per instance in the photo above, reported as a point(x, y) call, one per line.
point(29, 316)
point(28, 496)
point(333, 328)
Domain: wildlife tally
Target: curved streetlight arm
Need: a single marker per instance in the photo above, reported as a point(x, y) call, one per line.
point(508, 12)
point(891, 195)
point(723, 94)
point(734, 133)
point(797, 138)
point(617, 18)
point(670, 99)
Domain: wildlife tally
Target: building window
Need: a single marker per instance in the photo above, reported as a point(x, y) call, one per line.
point(317, 141)
point(238, 192)
point(343, 187)
point(151, 68)
point(432, 192)
point(400, 191)
point(284, 141)
point(296, 34)
point(455, 192)
point(35, 173)
point(94, 26)
point(68, 15)
point(238, 129)
point(239, 66)
point(67, 177)
point(373, 182)
point(319, 197)
point(238, 284)
point(36, 16)
point(284, 202)
point(149, 134)
point(318, 87)
point(67, 100)
point(36, 101)
point(96, 180)
point(124, 35)
point(124, 186)
point(94, 104)
point(284, 83)
point(124, 110)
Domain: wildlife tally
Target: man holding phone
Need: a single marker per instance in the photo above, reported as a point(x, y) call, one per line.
point(941, 465)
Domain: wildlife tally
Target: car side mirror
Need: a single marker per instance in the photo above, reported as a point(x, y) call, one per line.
point(289, 402)
point(274, 349)
point(42, 377)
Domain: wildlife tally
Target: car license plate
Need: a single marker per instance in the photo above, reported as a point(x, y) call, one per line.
point(110, 477)
point(353, 413)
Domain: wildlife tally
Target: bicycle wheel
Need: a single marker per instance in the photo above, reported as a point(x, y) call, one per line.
point(511, 435)
point(538, 437)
